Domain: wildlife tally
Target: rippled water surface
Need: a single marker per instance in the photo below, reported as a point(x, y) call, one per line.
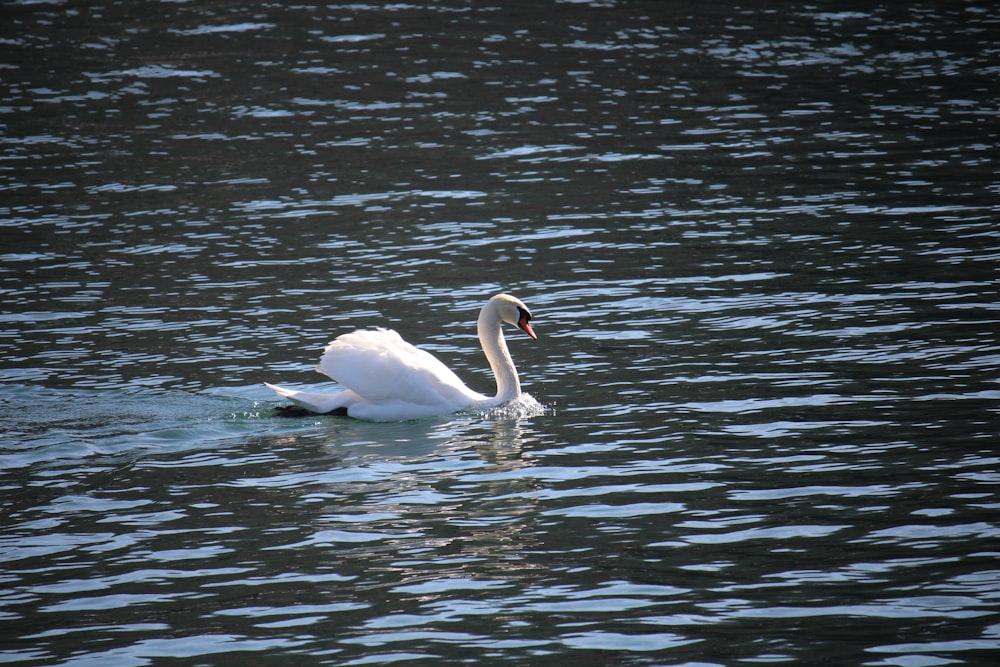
point(761, 244)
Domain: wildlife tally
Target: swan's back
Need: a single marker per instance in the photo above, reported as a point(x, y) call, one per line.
point(381, 367)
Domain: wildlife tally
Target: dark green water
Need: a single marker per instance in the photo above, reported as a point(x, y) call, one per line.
point(760, 244)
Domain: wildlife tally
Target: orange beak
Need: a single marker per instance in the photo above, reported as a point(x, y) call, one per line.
point(524, 326)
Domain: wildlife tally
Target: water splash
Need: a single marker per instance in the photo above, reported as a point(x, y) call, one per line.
point(524, 406)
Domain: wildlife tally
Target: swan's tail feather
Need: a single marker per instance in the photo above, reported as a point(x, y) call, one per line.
point(313, 402)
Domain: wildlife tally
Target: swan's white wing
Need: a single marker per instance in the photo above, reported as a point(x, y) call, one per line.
point(381, 367)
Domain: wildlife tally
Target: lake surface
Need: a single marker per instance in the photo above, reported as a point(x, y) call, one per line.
point(761, 245)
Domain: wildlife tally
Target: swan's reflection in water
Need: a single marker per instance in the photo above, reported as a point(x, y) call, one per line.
point(434, 514)
point(407, 489)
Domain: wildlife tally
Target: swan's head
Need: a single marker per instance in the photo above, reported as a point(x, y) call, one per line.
point(514, 312)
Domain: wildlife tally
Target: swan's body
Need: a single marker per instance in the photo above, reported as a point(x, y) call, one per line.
point(387, 379)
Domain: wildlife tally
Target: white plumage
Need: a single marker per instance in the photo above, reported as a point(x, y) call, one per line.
point(388, 379)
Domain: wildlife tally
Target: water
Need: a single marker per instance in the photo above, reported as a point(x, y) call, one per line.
point(761, 247)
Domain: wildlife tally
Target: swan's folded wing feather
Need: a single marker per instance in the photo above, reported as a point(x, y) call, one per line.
point(380, 366)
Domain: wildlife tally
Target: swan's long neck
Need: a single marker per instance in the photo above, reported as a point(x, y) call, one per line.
point(495, 347)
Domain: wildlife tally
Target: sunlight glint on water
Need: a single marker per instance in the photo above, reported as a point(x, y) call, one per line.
point(760, 246)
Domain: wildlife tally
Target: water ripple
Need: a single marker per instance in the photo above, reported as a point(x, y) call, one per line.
point(760, 248)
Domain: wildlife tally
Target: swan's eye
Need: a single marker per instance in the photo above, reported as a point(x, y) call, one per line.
point(525, 315)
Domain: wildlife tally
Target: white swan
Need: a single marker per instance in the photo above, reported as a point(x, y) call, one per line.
point(388, 379)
